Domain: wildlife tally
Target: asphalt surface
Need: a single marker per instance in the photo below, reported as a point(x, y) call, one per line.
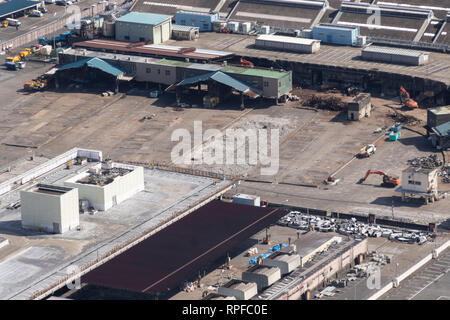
point(181, 250)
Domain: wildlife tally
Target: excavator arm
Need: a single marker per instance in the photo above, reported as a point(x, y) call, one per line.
point(406, 99)
point(387, 180)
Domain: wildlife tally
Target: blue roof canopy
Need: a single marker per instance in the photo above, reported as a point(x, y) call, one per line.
point(13, 6)
point(223, 78)
point(144, 18)
point(96, 63)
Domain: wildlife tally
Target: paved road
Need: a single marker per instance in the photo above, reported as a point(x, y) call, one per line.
point(430, 283)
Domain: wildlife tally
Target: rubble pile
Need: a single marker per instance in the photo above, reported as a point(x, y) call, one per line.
point(430, 162)
point(104, 176)
point(405, 119)
point(445, 173)
point(298, 220)
point(325, 102)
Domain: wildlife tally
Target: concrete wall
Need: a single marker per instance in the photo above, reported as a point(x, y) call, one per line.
point(156, 73)
point(50, 213)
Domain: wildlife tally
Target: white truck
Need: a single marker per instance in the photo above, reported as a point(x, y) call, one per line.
point(36, 13)
point(367, 151)
point(13, 22)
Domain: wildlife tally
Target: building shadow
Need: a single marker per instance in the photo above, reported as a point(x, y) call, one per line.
point(397, 202)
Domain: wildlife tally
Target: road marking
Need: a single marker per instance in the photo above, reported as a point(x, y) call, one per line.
point(415, 295)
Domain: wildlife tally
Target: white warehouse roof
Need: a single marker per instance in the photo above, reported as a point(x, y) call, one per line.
point(285, 39)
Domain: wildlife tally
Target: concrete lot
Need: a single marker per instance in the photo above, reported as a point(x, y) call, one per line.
point(432, 282)
point(41, 257)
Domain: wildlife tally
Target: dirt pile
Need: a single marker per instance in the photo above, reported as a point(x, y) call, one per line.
point(327, 102)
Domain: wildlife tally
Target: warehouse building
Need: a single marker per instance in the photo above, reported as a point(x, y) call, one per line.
point(336, 34)
point(360, 107)
point(286, 262)
point(50, 208)
point(284, 43)
point(108, 184)
point(202, 20)
point(253, 82)
point(143, 27)
point(241, 290)
point(263, 276)
point(185, 32)
point(395, 55)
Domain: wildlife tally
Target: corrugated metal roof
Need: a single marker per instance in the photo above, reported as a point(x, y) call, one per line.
point(224, 79)
point(395, 51)
point(94, 63)
point(444, 129)
point(177, 27)
point(144, 18)
point(286, 39)
point(9, 7)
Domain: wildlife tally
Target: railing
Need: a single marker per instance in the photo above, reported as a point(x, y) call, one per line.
point(410, 44)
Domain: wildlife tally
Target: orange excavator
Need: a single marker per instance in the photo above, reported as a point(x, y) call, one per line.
point(246, 63)
point(406, 99)
point(388, 181)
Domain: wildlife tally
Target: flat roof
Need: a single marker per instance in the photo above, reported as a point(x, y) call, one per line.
point(144, 18)
point(395, 51)
point(336, 26)
point(263, 269)
point(50, 189)
point(440, 110)
point(286, 39)
point(153, 50)
point(174, 255)
point(9, 7)
point(255, 72)
point(310, 242)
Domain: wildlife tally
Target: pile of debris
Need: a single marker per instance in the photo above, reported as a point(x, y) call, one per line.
point(332, 103)
point(103, 176)
point(445, 173)
point(405, 119)
point(430, 162)
point(298, 220)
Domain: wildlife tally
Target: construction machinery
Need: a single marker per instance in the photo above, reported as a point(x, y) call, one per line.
point(406, 99)
point(395, 134)
point(367, 151)
point(5, 24)
point(246, 63)
point(388, 181)
point(210, 102)
point(35, 85)
point(25, 53)
point(14, 59)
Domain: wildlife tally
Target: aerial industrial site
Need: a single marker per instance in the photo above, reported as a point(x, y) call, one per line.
point(201, 150)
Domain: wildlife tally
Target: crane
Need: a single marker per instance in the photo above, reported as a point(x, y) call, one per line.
point(406, 99)
point(388, 181)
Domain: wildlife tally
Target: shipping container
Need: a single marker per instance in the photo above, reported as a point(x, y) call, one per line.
point(285, 43)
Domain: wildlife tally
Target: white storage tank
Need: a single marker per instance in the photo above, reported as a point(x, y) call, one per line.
point(247, 199)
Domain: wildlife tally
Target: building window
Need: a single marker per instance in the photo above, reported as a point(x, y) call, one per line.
point(141, 39)
point(159, 71)
point(167, 72)
point(202, 21)
point(205, 25)
point(149, 70)
point(266, 83)
point(193, 20)
point(127, 37)
point(183, 21)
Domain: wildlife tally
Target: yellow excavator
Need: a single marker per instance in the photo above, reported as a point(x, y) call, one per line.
point(5, 24)
point(35, 85)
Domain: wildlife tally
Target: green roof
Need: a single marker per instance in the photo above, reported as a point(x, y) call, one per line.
point(175, 63)
point(96, 63)
point(144, 18)
point(255, 72)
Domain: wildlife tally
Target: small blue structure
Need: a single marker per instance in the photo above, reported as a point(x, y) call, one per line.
point(202, 20)
point(346, 35)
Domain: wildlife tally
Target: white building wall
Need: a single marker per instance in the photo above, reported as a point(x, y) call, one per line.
point(419, 181)
point(40, 211)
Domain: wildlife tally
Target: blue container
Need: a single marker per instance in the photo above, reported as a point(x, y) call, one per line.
point(202, 20)
point(336, 34)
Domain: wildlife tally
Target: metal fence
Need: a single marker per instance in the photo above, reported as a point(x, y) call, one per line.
point(420, 45)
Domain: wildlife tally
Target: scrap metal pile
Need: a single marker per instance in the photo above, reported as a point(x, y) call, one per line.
point(445, 173)
point(104, 176)
point(430, 162)
point(325, 102)
point(298, 220)
point(404, 119)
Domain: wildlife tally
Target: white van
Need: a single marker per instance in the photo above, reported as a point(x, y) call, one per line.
point(36, 13)
point(13, 22)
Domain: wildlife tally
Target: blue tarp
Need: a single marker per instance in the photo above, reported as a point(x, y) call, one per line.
point(96, 63)
point(255, 259)
point(10, 7)
point(278, 247)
